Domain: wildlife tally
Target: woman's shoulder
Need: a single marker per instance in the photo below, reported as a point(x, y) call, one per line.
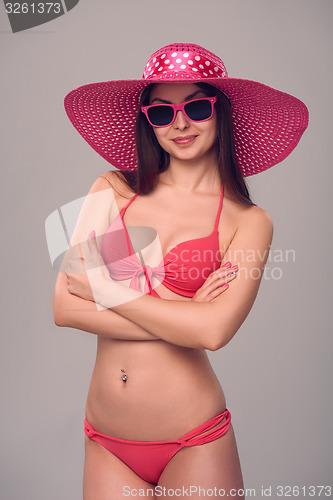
point(247, 212)
point(116, 181)
point(242, 213)
point(246, 217)
point(251, 229)
point(255, 219)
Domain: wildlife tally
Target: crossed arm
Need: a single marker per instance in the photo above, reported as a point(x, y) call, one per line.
point(207, 325)
point(73, 311)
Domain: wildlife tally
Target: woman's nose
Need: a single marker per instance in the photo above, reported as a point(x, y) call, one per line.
point(181, 122)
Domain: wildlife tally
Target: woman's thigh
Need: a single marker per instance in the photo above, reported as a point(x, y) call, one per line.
point(106, 477)
point(211, 465)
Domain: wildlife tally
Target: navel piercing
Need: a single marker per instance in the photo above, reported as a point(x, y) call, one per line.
point(124, 377)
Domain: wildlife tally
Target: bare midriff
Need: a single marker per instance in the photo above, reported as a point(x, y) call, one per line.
point(169, 389)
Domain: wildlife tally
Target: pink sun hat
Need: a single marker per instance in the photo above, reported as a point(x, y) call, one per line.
point(268, 123)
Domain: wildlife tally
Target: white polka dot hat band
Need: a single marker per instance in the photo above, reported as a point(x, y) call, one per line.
point(268, 124)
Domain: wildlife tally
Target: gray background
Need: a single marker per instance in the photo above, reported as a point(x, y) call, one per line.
point(276, 371)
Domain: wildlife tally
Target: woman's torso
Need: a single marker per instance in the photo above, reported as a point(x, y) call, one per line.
point(169, 389)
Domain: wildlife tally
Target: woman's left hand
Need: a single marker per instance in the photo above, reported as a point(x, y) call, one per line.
point(87, 274)
point(216, 283)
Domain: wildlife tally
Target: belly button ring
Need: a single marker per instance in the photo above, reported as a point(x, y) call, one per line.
point(124, 377)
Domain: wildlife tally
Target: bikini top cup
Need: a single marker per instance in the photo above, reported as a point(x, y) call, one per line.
point(183, 270)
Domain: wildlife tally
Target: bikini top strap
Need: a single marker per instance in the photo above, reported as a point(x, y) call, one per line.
point(123, 210)
point(219, 211)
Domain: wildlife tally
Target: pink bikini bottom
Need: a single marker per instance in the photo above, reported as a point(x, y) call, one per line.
point(149, 458)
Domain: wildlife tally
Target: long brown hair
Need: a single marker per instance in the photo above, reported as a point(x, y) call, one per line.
point(152, 159)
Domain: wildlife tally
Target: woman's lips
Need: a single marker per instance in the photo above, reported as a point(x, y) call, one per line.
point(184, 140)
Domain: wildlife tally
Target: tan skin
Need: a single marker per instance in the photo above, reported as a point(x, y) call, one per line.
point(171, 387)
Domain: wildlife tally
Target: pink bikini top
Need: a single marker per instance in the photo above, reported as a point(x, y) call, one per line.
point(183, 270)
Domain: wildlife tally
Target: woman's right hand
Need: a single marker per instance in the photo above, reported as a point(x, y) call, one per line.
point(216, 283)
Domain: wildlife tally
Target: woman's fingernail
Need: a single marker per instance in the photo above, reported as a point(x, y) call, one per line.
point(227, 264)
point(92, 234)
point(234, 267)
point(225, 286)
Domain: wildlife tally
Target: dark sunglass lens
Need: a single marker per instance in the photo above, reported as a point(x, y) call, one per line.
point(199, 110)
point(160, 115)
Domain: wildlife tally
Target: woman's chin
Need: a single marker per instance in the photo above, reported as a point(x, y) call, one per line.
point(188, 156)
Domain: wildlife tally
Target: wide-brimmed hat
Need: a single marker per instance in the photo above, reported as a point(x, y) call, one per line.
point(268, 123)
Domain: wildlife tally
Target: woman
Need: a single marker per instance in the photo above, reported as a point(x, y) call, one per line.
point(156, 279)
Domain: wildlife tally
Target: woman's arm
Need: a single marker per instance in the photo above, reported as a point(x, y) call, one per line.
point(69, 310)
point(209, 325)
point(74, 312)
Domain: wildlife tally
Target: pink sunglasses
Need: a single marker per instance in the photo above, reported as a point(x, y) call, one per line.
point(196, 110)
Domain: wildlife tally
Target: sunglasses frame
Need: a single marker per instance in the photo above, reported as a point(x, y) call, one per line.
point(179, 107)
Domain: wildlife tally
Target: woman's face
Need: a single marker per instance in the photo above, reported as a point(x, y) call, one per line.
point(184, 139)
